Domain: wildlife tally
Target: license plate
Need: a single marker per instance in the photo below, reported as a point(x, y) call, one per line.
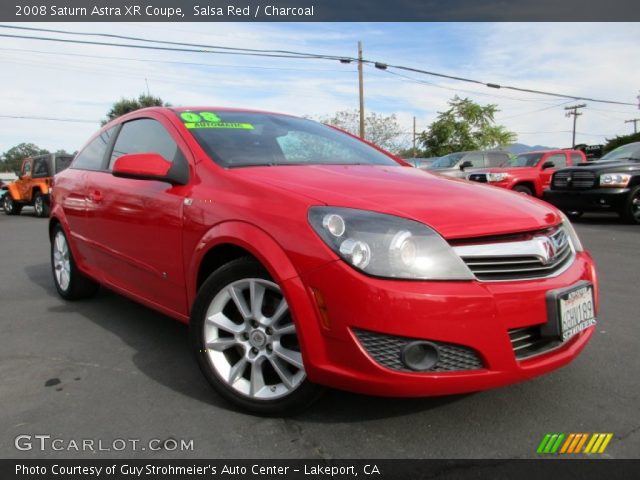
point(576, 311)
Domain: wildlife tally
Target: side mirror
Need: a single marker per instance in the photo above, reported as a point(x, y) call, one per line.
point(465, 164)
point(546, 165)
point(143, 166)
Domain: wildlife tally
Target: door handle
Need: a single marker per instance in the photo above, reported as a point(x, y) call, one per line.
point(95, 196)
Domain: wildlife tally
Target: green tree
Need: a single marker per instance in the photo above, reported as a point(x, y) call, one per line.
point(383, 130)
point(126, 105)
point(620, 140)
point(466, 125)
point(12, 158)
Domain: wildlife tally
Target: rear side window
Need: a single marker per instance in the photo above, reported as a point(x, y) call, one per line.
point(495, 159)
point(559, 160)
point(144, 136)
point(91, 157)
point(576, 158)
point(62, 162)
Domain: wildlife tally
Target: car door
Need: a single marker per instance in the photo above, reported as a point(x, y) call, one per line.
point(23, 183)
point(138, 223)
point(559, 161)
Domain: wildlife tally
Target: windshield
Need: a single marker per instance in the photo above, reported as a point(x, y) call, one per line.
point(631, 150)
point(448, 161)
point(525, 160)
point(241, 139)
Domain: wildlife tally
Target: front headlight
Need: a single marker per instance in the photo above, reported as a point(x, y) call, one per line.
point(619, 180)
point(497, 177)
point(573, 236)
point(387, 246)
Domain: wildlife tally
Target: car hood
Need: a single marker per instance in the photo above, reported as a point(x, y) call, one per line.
point(454, 208)
point(609, 166)
point(510, 170)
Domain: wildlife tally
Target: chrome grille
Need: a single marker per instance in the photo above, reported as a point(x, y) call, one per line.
point(478, 177)
point(574, 179)
point(528, 341)
point(543, 255)
point(385, 350)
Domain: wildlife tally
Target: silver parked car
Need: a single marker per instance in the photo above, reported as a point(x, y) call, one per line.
point(459, 164)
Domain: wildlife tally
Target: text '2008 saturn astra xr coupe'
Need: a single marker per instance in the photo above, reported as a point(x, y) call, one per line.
point(303, 257)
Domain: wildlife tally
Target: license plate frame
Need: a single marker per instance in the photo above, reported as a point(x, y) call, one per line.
point(570, 311)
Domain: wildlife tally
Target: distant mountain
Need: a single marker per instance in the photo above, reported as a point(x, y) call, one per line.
point(522, 148)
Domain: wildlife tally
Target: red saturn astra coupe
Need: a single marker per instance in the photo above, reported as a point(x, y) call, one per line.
point(303, 257)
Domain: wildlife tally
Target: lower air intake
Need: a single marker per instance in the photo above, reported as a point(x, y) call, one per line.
point(386, 350)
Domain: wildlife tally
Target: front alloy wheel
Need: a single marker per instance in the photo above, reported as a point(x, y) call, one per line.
point(631, 212)
point(246, 340)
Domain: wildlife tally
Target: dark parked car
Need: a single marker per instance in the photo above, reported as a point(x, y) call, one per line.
point(459, 164)
point(611, 184)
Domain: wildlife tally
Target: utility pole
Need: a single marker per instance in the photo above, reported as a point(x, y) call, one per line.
point(414, 137)
point(573, 110)
point(635, 124)
point(361, 84)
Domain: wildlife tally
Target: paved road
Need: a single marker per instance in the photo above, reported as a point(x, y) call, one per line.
point(110, 369)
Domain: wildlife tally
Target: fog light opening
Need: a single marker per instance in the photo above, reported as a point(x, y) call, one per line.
point(419, 356)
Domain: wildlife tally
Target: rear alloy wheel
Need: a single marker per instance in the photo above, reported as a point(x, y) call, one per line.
point(70, 282)
point(631, 212)
point(40, 206)
point(522, 189)
point(10, 207)
point(246, 341)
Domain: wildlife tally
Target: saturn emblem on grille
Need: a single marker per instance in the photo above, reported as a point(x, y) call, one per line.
point(546, 250)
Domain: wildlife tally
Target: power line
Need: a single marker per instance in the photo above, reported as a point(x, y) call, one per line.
point(282, 54)
point(54, 119)
point(175, 62)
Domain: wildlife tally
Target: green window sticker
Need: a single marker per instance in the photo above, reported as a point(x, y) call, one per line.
point(210, 120)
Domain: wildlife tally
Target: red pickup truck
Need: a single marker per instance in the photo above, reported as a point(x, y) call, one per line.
point(529, 173)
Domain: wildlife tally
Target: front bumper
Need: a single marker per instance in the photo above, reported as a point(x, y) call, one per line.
point(593, 200)
point(334, 304)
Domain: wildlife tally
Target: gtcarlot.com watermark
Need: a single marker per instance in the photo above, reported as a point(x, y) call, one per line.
point(47, 443)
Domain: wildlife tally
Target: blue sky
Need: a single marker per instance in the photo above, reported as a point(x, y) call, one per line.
point(82, 81)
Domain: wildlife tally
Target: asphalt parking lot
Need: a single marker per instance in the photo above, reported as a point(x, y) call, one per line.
point(109, 368)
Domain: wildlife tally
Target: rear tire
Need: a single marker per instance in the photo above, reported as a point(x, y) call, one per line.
point(246, 343)
point(10, 206)
point(40, 205)
point(70, 283)
point(631, 212)
point(522, 189)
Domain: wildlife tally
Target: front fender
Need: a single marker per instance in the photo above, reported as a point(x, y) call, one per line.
point(249, 237)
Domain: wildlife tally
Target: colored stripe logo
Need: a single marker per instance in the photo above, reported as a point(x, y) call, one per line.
point(572, 443)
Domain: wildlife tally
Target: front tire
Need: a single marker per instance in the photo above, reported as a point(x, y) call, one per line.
point(40, 205)
point(10, 207)
point(631, 211)
point(522, 189)
point(70, 283)
point(246, 343)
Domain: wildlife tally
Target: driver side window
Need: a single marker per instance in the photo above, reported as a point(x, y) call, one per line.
point(145, 136)
point(476, 159)
point(26, 168)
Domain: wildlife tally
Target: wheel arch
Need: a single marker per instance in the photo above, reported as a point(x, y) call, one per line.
point(530, 184)
point(230, 240)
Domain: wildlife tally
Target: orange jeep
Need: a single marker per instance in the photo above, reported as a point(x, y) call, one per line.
point(33, 184)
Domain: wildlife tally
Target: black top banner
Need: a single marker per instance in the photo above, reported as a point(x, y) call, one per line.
point(318, 10)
